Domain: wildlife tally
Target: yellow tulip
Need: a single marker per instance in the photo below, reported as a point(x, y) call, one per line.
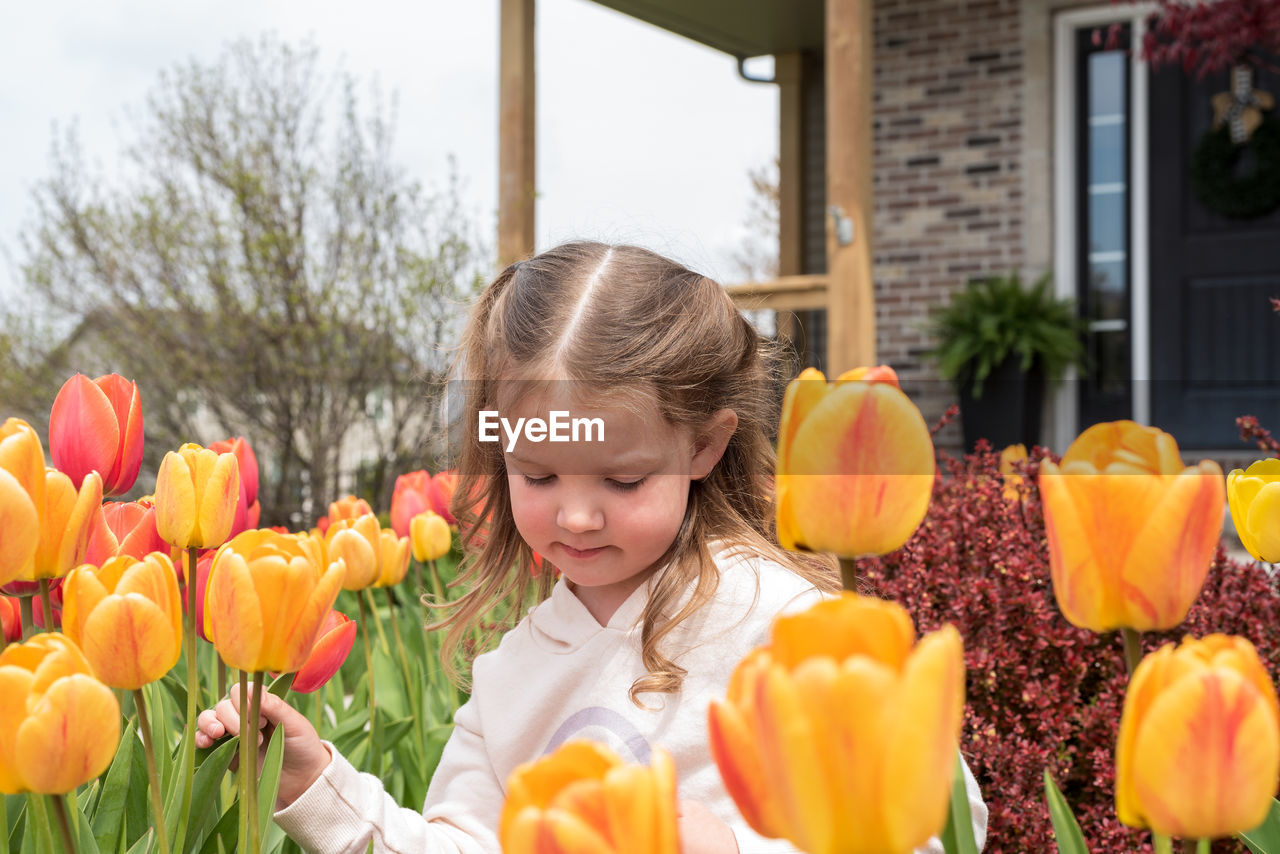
point(841, 734)
point(196, 494)
point(58, 724)
point(430, 535)
point(1254, 498)
point(584, 798)
point(65, 517)
point(1199, 749)
point(855, 464)
point(126, 617)
point(374, 556)
point(267, 599)
point(1132, 532)
point(1009, 457)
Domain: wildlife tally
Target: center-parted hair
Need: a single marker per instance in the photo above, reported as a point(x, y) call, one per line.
point(619, 322)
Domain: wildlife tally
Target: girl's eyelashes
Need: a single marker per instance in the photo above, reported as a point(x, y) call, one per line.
point(626, 485)
point(545, 480)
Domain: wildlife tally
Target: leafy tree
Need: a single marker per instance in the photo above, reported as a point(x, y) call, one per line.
point(261, 266)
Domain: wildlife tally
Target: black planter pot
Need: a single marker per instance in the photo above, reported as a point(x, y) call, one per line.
point(1008, 412)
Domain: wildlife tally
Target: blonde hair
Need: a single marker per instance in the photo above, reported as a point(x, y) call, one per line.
point(620, 320)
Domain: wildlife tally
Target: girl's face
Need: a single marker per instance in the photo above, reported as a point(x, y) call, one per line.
point(603, 510)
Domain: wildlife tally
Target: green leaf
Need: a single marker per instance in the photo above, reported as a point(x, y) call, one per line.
point(1265, 838)
point(269, 783)
point(1065, 826)
point(957, 836)
point(209, 773)
point(86, 843)
point(108, 813)
point(224, 832)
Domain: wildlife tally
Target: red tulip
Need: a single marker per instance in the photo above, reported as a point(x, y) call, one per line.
point(10, 619)
point(443, 485)
point(410, 498)
point(130, 529)
point(333, 645)
point(96, 425)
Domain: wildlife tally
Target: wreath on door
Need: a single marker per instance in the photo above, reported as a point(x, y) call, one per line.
point(1242, 125)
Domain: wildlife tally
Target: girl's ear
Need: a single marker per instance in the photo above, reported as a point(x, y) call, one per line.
point(710, 442)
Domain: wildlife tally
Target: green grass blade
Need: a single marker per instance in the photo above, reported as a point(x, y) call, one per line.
point(1065, 826)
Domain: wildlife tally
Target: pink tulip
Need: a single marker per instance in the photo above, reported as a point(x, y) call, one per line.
point(443, 485)
point(10, 619)
point(96, 425)
point(410, 498)
point(333, 645)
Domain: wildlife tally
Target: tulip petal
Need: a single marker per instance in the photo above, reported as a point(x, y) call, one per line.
point(233, 612)
point(1263, 522)
point(330, 651)
point(1172, 549)
point(129, 641)
point(218, 493)
point(842, 627)
point(15, 686)
point(126, 402)
point(20, 522)
point(925, 734)
point(69, 737)
point(175, 501)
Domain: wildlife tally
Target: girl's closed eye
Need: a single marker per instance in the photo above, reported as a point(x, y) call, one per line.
point(625, 485)
point(545, 480)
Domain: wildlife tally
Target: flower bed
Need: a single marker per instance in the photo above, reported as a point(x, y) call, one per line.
point(1041, 693)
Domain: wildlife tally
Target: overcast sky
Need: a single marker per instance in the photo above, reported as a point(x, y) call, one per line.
point(643, 136)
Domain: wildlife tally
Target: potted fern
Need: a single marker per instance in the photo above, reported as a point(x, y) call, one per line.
point(1003, 344)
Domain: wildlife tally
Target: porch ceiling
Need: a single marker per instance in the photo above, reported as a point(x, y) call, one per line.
point(739, 27)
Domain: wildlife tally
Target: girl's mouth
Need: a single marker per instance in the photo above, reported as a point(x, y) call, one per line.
point(581, 554)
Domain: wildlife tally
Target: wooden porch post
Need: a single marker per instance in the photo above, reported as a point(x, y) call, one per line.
point(789, 74)
point(851, 316)
point(516, 101)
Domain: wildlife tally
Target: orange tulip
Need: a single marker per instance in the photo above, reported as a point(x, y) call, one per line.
point(431, 536)
point(96, 425)
point(59, 726)
point(337, 636)
point(841, 734)
point(855, 464)
point(1131, 531)
point(267, 598)
point(1009, 457)
point(1199, 749)
point(196, 494)
point(583, 798)
point(374, 556)
point(411, 497)
point(126, 617)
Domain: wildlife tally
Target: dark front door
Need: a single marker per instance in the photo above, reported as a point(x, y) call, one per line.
point(1215, 341)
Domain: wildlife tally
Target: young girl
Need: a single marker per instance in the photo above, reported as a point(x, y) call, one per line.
point(657, 513)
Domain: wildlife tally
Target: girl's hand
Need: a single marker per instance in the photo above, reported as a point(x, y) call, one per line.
point(701, 832)
point(305, 756)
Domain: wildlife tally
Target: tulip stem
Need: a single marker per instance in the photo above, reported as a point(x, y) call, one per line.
point(244, 781)
point(849, 574)
point(1132, 649)
point(375, 753)
point(222, 677)
point(64, 825)
point(28, 613)
point(193, 694)
point(255, 721)
point(48, 606)
point(153, 775)
point(1198, 846)
point(1162, 844)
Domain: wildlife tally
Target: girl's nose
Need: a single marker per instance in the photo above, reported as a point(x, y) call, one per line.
point(579, 515)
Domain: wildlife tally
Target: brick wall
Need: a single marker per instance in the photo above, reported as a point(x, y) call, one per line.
point(948, 159)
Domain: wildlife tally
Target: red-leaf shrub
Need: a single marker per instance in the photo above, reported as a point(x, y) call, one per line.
point(1041, 693)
